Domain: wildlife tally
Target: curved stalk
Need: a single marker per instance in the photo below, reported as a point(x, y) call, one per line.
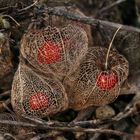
point(11, 19)
point(110, 45)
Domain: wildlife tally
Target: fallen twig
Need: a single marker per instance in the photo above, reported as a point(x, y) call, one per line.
point(87, 20)
point(3, 103)
point(5, 94)
point(72, 16)
point(28, 7)
point(116, 3)
point(11, 19)
point(72, 129)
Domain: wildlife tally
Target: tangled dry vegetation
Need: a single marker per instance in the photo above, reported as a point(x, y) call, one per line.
point(62, 76)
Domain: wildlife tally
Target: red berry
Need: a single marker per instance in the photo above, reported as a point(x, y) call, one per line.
point(38, 100)
point(106, 80)
point(48, 53)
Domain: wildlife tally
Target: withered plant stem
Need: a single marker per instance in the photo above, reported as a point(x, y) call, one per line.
point(11, 19)
point(110, 45)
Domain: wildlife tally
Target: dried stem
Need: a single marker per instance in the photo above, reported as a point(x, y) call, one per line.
point(72, 16)
point(30, 6)
point(72, 129)
point(4, 103)
point(5, 94)
point(116, 3)
point(11, 19)
point(110, 45)
point(84, 19)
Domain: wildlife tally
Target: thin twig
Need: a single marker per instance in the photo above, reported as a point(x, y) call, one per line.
point(11, 19)
point(55, 123)
point(10, 136)
point(76, 17)
point(28, 7)
point(116, 3)
point(6, 8)
point(3, 103)
point(5, 94)
point(124, 114)
point(40, 121)
point(129, 110)
point(72, 129)
point(110, 45)
point(87, 20)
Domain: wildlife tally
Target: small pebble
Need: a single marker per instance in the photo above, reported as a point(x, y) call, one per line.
point(104, 112)
point(60, 138)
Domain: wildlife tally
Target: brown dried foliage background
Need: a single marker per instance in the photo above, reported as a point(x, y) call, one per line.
point(122, 115)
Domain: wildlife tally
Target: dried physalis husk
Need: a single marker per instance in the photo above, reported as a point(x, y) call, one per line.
point(54, 50)
point(91, 84)
point(59, 21)
point(33, 95)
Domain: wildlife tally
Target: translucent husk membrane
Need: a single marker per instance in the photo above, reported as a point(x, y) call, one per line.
point(36, 96)
point(55, 50)
point(83, 86)
point(59, 21)
point(64, 54)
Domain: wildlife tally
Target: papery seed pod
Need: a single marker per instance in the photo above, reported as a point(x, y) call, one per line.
point(54, 50)
point(92, 84)
point(59, 21)
point(33, 95)
point(104, 112)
